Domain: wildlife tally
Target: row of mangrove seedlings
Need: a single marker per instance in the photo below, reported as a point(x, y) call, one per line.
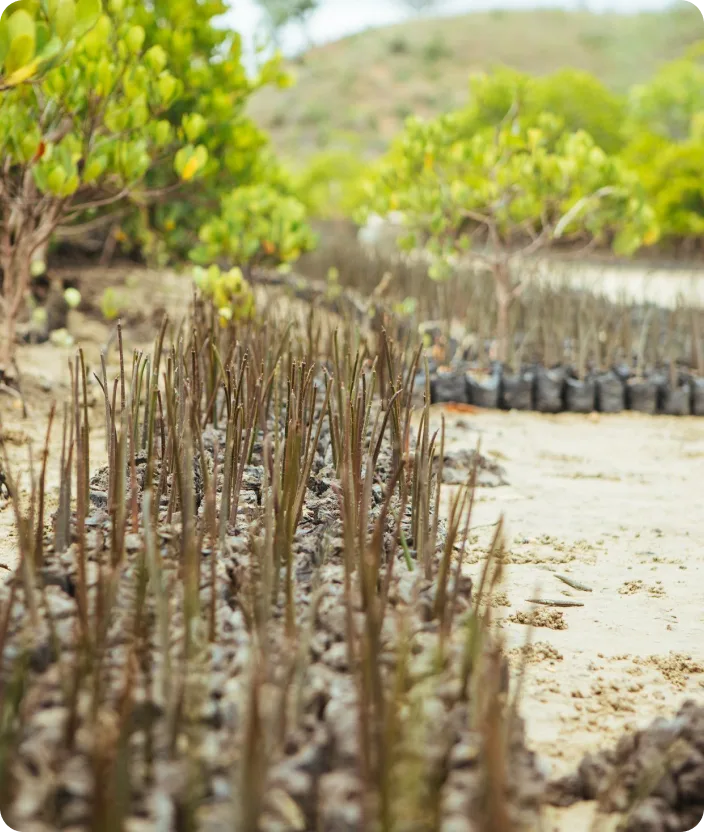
point(671, 391)
point(254, 617)
point(552, 323)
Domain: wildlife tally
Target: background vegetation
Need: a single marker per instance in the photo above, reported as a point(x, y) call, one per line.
point(193, 176)
point(367, 84)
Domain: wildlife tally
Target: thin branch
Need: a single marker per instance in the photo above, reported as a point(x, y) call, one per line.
point(579, 206)
point(70, 231)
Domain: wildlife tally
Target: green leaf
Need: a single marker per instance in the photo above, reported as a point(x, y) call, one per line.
point(56, 180)
point(167, 87)
point(22, 39)
point(156, 58)
point(50, 50)
point(193, 126)
point(4, 39)
point(135, 39)
point(72, 298)
point(37, 268)
point(162, 133)
point(28, 144)
point(40, 177)
point(626, 242)
point(65, 18)
point(96, 39)
point(88, 13)
point(94, 169)
point(31, 6)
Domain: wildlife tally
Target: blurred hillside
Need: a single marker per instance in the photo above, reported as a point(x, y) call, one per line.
point(367, 84)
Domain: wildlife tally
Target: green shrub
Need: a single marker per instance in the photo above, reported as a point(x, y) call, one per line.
point(255, 226)
point(436, 49)
point(577, 98)
point(34, 36)
point(669, 101)
point(84, 136)
point(330, 184)
point(672, 175)
point(206, 59)
point(497, 196)
point(398, 45)
point(229, 291)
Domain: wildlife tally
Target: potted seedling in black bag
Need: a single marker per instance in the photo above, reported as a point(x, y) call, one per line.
point(580, 388)
point(641, 390)
point(550, 378)
point(483, 381)
point(517, 385)
point(675, 393)
point(610, 393)
point(698, 363)
point(482, 378)
point(449, 384)
point(623, 359)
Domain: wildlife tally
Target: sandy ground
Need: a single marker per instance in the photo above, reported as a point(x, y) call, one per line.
point(613, 502)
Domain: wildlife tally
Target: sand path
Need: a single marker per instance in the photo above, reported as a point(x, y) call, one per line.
point(614, 502)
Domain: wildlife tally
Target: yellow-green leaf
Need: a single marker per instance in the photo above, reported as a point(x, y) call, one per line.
point(167, 87)
point(135, 39)
point(193, 126)
point(65, 18)
point(156, 58)
point(24, 73)
point(88, 13)
point(22, 39)
point(162, 133)
point(56, 179)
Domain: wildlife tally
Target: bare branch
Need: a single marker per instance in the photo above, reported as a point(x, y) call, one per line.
point(579, 206)
point(69, 232)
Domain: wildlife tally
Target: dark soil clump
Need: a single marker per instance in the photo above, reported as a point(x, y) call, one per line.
point(654, 777)
point(457, 466)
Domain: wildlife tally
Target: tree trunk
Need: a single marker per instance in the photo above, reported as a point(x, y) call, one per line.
point(697, 354)
point(504, 297)
point(15, 283)
point(7, 351)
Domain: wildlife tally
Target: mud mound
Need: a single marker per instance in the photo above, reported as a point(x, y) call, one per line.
point(254, 618)
point(457, 465)
point(654, 777)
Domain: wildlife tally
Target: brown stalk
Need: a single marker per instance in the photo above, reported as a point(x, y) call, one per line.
point(497, 817)
point(474, 640)
point(211, 522)
point(39, 541)
point(253, 765)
